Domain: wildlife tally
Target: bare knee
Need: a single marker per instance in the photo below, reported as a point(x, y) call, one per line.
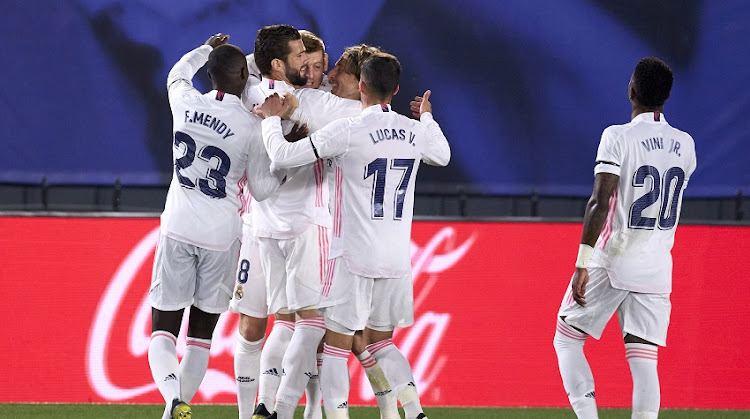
point(252, 328)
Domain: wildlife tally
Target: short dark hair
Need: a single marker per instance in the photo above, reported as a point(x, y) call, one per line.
point(353, 57)
point(380, 73)
point(273, 42)
point(652, 82)
point(224, 63)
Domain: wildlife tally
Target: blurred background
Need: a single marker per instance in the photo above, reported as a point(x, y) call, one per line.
point(522, 90)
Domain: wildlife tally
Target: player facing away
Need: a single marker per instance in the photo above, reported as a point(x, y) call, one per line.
point(217, 143)
point(368, 286)
point(624, 261)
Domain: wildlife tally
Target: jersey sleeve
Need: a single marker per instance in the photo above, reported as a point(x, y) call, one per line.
point(609, 156)
point(261, 181)
point(318, 108)
point(327, 142)
point(437, 152)
point(180, 78)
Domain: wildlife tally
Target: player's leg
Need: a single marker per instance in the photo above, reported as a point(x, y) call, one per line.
point(385, 397)
point(172, 287)
point(644, 319)
point(392, 306)
point(213, 291)
point(274, 269)
point(305, 266)
point(313, 395)
point(574, 325)
point(249, 300)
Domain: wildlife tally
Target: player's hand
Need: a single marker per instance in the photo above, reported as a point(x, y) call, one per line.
point(421, 104)
point(218, 39)
point(578, 285)
point(297, 133)
point(272, 106)
point(291, 103)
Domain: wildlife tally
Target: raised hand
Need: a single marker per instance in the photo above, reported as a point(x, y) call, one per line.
point(421, 104)
point(218, 39)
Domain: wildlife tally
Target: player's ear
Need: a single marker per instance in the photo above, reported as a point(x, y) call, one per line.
point(395, 92)
point(362, 87)
point(276, 64)
point(325, 61)
point(244, 73)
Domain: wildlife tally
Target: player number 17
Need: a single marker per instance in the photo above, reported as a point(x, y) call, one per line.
point(377, 168)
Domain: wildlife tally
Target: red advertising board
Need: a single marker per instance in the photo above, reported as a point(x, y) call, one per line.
point(76, 318)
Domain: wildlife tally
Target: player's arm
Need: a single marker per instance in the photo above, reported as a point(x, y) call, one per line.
point(261, 181)
point(437, 152)
point(180, 78)
point(606, 178)
point(328, 142)
point(320, 108)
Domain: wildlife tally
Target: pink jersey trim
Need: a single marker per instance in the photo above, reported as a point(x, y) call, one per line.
point(329, 277)
point(284, 323)
point(378, 346)
point(335, 352)
point(368, 362)
point(318, 170)
point(569, 332)
point(166, 335)
point(193, 342)
point(337, 208)
point(608, 225)
point(323, 248)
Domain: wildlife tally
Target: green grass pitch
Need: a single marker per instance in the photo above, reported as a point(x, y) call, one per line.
point(85, 411)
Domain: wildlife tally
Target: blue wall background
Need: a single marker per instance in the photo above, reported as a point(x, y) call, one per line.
point(522, 89)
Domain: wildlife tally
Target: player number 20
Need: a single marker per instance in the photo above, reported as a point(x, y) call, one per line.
point(214, 184)
point(377, 169)
point(670, 193)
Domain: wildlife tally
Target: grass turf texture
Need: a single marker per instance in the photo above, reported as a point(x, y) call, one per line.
point(85, 411)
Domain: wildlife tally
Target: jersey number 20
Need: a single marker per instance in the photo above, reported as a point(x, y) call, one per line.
point(670, 197)
point(218, 188)
point(378, 168)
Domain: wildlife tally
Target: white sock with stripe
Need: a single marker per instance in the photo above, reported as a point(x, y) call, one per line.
point(246, 371)
point(642, 359)
point(165, 369)
point(398, 372)
point(299, 364)
point(574, 370)
point(334, 382)
point(270, 362)
point(313, 395)
point(193, 366)
point(384, 395)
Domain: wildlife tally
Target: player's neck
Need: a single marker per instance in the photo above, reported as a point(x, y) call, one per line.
point(368, 101)
point(638, 109)
point(229, 89)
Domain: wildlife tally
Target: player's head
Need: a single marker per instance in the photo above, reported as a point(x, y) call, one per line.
point(344, 77)
point(280, 53)
point(227, 69)
point(317, 59)
point(651, 83)
point(379, 79)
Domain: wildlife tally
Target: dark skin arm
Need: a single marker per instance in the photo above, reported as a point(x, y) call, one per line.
point(593, 221)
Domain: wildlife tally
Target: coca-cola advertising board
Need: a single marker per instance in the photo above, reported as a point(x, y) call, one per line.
point(76, 317)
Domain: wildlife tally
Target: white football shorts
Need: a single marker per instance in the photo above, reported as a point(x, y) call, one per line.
point(356, 302)
point(185, 275)
point(249, 296)
point(294, 269)
point(640, 314)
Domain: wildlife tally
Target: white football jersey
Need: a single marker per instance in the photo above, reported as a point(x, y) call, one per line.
point(376, 158)
point(217, 144)
point(303, 199)
point(654, 162)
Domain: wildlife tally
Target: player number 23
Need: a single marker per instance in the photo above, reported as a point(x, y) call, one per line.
point(670, 193)
point(214, 184)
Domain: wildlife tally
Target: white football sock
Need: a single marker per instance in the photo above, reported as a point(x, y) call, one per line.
point(646, 393)
point(193, 367)
point(574, 370)
point(299, 361)
point(313, 396)
point(246, 371)
point(384, 395)
point(165, 369)
point(334, 382)
point(270, 362)
point(398, 372)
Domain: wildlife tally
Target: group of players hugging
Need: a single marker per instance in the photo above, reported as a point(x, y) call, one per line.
point(289, 199)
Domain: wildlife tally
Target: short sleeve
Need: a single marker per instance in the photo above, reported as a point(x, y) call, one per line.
point(609, 154)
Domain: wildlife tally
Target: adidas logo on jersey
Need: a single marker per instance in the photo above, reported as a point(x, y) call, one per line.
point(590, 395)
point(272, 371)
point(245, 379)
point(344, 405)
point(170, 377)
